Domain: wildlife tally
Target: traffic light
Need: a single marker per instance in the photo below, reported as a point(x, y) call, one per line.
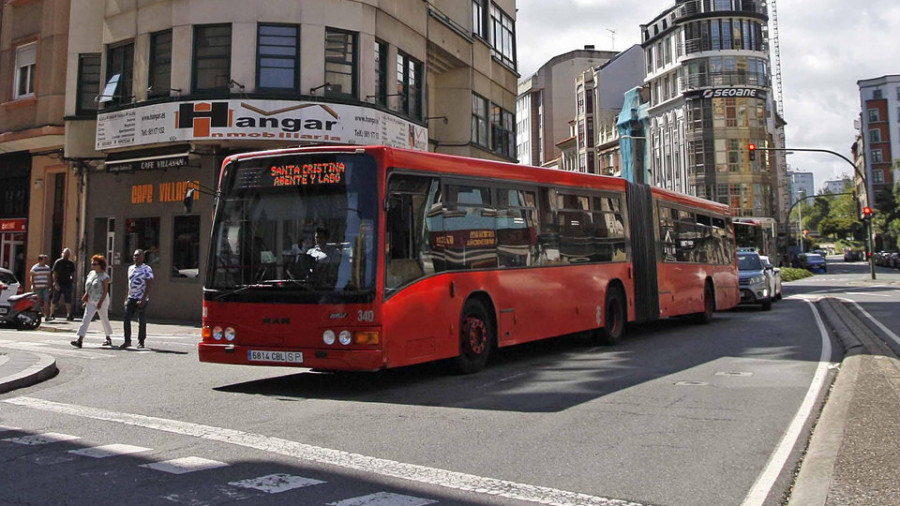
point(751, 148)
point(866, 213)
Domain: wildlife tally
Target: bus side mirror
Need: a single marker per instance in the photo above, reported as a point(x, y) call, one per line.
point(189, 200)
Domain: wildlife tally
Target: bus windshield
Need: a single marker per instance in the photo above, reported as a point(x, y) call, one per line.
point(298, 223)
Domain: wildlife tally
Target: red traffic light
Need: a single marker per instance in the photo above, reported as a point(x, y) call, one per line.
point(751, 147)
point(867, 211)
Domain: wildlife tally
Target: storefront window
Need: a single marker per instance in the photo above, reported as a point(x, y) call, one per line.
point(143, 233)
point(186, 247)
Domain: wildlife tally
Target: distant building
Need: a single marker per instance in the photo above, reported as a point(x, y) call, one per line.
point(801, 182)
point(599, 94)
point(707, 69)
point(546, 103)
point(836, 186)
point(880, 106)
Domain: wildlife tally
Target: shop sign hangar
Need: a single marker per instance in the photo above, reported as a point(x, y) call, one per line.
point(271, 120)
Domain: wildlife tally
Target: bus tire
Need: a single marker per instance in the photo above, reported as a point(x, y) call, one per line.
point(709, 306)
point(476, 336)
point(614, 321)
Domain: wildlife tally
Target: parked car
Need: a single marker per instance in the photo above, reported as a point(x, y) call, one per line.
point(894, 260)
point(755, 280)
point(813, 262)
point(851, 255)
point(775, 278)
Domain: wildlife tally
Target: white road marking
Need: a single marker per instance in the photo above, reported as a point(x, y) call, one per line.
point(868, 294)
point(185, 465)
point(71, 352)
point(763, 485)
point(353, 461)
point(41, 439)
point(7, 428)
point(384, 499)
point(101, 452)
point(276, 483)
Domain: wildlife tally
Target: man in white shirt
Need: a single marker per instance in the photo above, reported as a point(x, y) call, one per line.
point(140, 280)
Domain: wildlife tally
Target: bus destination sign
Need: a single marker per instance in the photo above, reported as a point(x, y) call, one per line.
point(307, 174)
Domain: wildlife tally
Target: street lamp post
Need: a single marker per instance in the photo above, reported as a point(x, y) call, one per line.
point(869, 243)
point(800, 193)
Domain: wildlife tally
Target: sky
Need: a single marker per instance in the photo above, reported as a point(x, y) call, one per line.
point(826, 46)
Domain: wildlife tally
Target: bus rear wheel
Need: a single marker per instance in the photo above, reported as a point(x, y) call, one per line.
point(614, 323)
point(709, 306)
point(476, 336)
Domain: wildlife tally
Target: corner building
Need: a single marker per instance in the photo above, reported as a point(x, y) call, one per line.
point(160, 92)
point(707, 70)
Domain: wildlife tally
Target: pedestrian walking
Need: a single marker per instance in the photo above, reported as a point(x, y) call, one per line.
point(95, 300)
point(140, 280)
point(63, 284)
point(41, 279)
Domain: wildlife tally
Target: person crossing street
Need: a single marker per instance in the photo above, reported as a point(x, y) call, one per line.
point(140, 281)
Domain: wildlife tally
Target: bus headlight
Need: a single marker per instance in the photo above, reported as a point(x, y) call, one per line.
point(217, 333)
point(230, 334)
point(345, 337)
point(328, 337)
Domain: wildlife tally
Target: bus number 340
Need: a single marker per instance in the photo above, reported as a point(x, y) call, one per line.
point(366, 316)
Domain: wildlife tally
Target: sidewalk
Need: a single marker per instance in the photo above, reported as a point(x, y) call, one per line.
point(854, 453)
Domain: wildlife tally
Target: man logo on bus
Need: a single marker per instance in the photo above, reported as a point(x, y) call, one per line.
point(203, 117)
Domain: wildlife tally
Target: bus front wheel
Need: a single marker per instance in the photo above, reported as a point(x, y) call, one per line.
point(476, 336)
point(614, 324)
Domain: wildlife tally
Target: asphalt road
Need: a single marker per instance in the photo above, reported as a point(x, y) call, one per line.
point(676, 414)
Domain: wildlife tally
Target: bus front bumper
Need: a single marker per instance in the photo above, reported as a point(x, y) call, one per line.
point(325, 359)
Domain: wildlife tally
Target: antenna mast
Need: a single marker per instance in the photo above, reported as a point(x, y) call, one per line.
point(612, 35)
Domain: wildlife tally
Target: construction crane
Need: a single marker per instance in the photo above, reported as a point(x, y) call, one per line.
point(776, 55)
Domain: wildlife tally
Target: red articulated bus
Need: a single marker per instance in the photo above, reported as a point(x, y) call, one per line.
point(364, 258)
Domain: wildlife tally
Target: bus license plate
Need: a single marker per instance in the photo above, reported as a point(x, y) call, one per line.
point(289, 357)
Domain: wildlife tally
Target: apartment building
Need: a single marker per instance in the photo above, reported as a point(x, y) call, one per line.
point(547, 102)
point(707, 69)
point(880, 133)
point(38, 194)
point(160, 92)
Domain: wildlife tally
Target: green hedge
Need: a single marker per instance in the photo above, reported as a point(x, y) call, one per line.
point(793, 274)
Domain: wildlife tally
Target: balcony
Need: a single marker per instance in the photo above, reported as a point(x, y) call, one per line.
point(695, 7)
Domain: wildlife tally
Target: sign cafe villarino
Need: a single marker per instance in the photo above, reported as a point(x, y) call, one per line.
point(170, 191)
point(256, 120)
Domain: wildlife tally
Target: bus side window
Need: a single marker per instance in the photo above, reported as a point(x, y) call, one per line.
point(406, 227)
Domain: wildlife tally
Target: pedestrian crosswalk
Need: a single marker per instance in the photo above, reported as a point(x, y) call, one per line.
point(273, 483)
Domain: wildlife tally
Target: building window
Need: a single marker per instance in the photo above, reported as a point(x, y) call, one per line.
point(381, 72)
point(88, 83)
point(479, 19)
point(480, 120)
point(278, 57)
point(876, 94)
point(26, 62)
point(186, 247)
point(340, 63)
point(143, 233)
point(874, 116)
point(874, 135)
point(876, 156)
point(159, 79)
point(503, 132)
point(503, 36)
point(878, 176)
point(212, 58)
point(409, 85)
point(119, 74)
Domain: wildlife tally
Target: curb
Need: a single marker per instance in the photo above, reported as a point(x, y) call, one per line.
point(44, 369)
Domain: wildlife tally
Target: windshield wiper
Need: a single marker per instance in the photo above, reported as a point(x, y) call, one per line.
point(266, 284)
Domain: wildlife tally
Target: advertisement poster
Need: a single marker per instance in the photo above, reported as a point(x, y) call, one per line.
point(290, 121)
